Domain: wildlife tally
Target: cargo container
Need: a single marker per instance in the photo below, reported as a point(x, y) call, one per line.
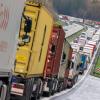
point(93, 47)
point(53, 60)
point(96, 38)
point(92, 43)
point(88, 51)
point(10, 17)
point(35, 30)
point(82, 41)
point(75, 47)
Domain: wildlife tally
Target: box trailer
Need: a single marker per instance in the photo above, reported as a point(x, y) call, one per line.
point(35, 30)
point(53, 59)
point(10, 17)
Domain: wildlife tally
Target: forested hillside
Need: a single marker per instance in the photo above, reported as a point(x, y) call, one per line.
point(80, 8)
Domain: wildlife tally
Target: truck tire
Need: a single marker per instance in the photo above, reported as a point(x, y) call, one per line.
point(50, 89)
point(8, 92)
point(38, 92)
point(55, 85)
point(50, 86)
point(70, 83)
point(75, 79)
point(60, 86)
point(28, 89)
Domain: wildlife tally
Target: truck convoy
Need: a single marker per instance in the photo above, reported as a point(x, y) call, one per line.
point(42, 55)
point(40, 60)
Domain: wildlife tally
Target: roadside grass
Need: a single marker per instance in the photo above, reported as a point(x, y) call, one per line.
point(96, 69)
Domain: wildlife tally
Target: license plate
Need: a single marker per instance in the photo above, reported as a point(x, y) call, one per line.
point(17, 89)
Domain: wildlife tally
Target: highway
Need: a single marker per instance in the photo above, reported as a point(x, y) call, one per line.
point(87, 88)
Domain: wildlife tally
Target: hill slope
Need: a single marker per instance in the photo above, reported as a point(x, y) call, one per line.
point(80, 8)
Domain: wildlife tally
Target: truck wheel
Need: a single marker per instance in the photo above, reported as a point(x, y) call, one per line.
point(55, 86)
point(50, 83)
point(60, 86)
point(70, 83)
point(28, 89)
point(8, 93)
point(75, 79)
point(38, 92)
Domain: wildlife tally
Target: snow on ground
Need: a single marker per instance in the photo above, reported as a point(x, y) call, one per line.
point(89, 90)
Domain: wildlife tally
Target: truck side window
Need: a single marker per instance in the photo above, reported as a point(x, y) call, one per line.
point(63, 57)
point(68, 65)
point(78, 66)
point(28, 24)
point(81, 48)
point(53, 48)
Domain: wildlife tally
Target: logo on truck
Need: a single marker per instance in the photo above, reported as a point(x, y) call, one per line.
point(4, 16)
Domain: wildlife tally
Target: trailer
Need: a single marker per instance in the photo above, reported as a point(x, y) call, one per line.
point(10, 17)
point(52, 63)
point(33, 40)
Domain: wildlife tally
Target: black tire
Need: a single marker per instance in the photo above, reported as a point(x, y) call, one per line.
point(71, 84)
point(82, 72)
point(8, 93)
point(38, 93)
point(28, 89)
point(55, 85)
point(75, 79)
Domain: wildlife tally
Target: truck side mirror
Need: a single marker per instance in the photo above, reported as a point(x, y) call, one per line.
point(63, 57)
point(28, 25)
point(53, 49)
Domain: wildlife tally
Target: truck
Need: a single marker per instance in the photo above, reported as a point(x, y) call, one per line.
point(34, 34)
point(69, 62)
point(73, 69)
point(65, 59)
point(89, 50)
point(10, 17)
point(52, 63)
point(83, 64)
